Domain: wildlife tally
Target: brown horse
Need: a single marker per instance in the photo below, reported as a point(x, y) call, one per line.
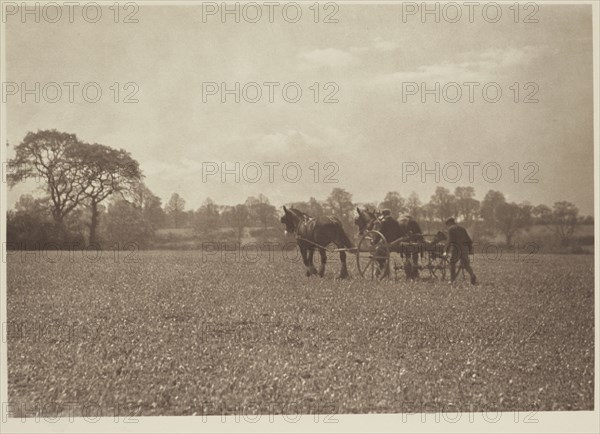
point(316, 233)
point(365, 219)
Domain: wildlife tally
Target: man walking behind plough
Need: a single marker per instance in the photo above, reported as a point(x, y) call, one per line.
point(459, 246)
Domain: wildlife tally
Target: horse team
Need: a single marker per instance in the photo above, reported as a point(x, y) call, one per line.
point(316, 233)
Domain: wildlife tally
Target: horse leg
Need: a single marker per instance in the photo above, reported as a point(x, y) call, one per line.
point(323, 261)
point(344, 271)
point(305, 260)
point(311, 267)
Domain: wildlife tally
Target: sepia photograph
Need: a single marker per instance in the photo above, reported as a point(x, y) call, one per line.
point(354, 216)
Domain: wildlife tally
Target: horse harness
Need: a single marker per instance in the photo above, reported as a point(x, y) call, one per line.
point(307, 225)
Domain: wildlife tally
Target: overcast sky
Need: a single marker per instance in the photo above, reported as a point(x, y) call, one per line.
point(368, 134)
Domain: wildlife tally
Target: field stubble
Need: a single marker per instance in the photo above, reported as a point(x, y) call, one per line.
point(173, 335)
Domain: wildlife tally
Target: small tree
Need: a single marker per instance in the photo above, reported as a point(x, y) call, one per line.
point(150, 204)
point(428, 213)
point(413, 205)
point(125, 226)
point(564, 221)
point(315, 208)
point(443, 203)
point(394, 202)
point(238, 218)
point(261, 211)
point(340, 204)
point(467, 206)
point(489, 210)
point(207, 217)
point(511, 217)
point(175, 209)
point(542, 214)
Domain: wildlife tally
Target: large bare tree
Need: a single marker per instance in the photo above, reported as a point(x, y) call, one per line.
point(74, 173)
point(105, 171)
point(52, 156)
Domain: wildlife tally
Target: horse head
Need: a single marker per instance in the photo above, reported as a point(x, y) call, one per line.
point(376, 224)
point(291, 219)
point(364, 220)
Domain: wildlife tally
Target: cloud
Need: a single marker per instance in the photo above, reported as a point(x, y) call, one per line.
point(504, 58)
point(434, 72)
point(290, 143)
point(171, 170)
point(471, 66)
point(342, 58)
point(382, 45)
point(376, 45)
point(328, 57)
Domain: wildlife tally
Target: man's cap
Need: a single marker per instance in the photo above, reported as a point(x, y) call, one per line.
point(451, 221)
point(386, 212)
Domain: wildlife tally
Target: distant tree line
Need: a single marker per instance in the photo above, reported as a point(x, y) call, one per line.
point(493, 215)
point(95, 195)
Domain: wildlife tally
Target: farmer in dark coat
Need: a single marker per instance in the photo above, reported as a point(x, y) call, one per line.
point(413, 228)
point(459, 246)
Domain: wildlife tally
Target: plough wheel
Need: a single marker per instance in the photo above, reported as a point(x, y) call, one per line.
point(373, 256)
